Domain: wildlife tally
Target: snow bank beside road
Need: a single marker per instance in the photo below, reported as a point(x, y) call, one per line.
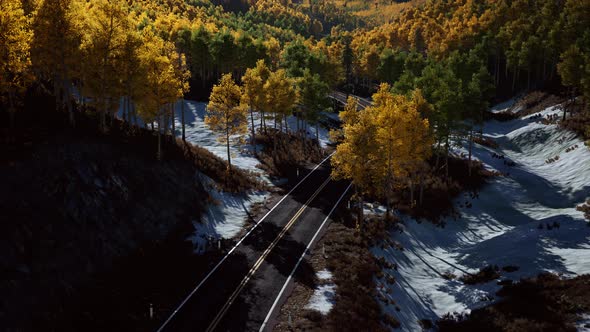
point(225, 217)
point(324, 295)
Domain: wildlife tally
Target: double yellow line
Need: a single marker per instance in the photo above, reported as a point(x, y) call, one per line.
point(261, 259)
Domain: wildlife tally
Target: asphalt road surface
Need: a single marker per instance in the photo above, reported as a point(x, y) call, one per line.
point(238, 295)
point(343, 97)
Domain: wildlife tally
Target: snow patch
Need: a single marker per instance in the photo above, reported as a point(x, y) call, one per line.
point(583, 325)
point(323, 297)
point(225, 217)
point(505, 106)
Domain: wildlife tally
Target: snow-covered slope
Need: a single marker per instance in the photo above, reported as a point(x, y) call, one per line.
point(227, 215)
point(198, 133)
point(501, 228)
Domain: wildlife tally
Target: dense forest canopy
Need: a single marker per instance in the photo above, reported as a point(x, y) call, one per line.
point(459, 54)
point(456, 55)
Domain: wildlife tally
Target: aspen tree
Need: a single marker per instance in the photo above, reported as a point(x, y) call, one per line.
point(103, 47)
point(55, 50)
point(225, 114)
point(162, 86)
point(15, 60)
point(254, 96)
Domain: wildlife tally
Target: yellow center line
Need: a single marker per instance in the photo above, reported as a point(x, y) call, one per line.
point(258, 263)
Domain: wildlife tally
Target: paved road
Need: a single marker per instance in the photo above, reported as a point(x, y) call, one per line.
point(343, 97)
point(239, 294)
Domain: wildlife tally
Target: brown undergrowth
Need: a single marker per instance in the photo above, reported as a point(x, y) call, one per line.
point(283, 153)
point(577, 120)
point(585, 208)
point(353, 267)
point(537, 101)
point(440, 190)
point(544, 303)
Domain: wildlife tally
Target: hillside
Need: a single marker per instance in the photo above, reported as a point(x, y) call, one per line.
point(524, 222)
point(377, 12)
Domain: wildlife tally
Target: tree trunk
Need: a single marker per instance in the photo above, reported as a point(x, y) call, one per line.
point(528, 80)
point(173, 120)
point(411, 185)
point(470, 149)
point(317, 133)
point(11, 109)
point(389, 183)
point(437, 162)
point(420, 198)
point(544, 68)
point(56, 92)
point(264, 124)
point(506, 68)
point(497, 78)
point(286, 126)
point(159, 153)
point(182, 118)
point(564, 107)
point(447, 158)
point(124, 109)
point(228, 152)
point(67, 89)
point(127, 110)
point(103, 120)
point(134, 114)
point(513, 80)
point(253, 130)
point(359, 208)
point(165, 119)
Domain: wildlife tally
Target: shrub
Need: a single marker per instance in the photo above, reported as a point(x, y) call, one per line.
point(585, 208)
point(484, 275)
point(391, 321)
point(283, 153)
point(448, 275)
point(510, 268)
point(544, 303)
point(485, 141)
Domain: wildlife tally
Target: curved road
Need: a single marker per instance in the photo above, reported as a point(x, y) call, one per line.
point(239, 293)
